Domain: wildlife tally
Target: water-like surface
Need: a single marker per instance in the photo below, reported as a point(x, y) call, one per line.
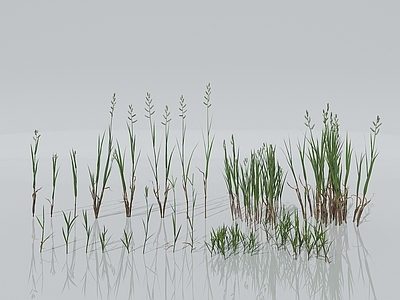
point(365, 263)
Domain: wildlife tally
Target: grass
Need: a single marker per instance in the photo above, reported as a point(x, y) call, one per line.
point(103, 239)
point(88, 229)
point(74, 169)
point(294, 235)
point(97, 188)
point(42, 226)
point(35, 164)
point(288, 233)
point(255, 185)
point(329, 158)
point(208, 142)
point(369, 158)
point(176, 230)
point(55, 170)
point(190, 219)
point(232, 240)
point(185, 164)
point(69, 223)
point(120, 159)
point(127, 240)
point(167, 157)
point(148, 214)
point(154, 163)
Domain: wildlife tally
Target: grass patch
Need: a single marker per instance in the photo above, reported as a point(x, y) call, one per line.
point(329, 158)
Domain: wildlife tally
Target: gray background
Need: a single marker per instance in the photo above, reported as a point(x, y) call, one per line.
point(268, 61)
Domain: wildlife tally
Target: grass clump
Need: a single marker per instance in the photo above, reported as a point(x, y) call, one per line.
point(229, 241)
point(294, 234)
point(329, 159)
point(154, 163)
point(97, 188)
point(120, 159)
point(254, 186)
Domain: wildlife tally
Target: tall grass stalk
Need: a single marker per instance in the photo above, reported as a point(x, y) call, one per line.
point(369, 159)
point(134, 157)
point(154, 163)
point(35, 164)
point(208, 142)
point(120, 159)
point(167, 157)
point(55, 170)
point(185, 164)
point(97, 188)
point(69, 223)
point(74, 168)
point(42, 226)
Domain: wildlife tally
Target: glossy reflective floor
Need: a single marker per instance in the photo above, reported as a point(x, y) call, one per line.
point(364, 261)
